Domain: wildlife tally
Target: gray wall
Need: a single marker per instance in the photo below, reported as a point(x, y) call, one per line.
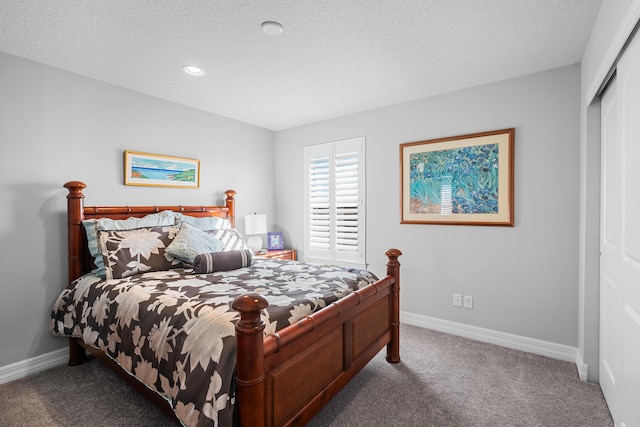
point(524, 280)
point(55, 127)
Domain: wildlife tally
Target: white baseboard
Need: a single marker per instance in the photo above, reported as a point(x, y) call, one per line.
point(544, 348)
point(516, 342)
point(33, 365)
point(582, 367)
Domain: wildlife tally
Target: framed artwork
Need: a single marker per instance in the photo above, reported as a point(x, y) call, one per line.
point(160, 170)
point(462, 180)
point(274, 240)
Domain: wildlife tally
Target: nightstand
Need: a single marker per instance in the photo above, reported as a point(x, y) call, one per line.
point(289, 254)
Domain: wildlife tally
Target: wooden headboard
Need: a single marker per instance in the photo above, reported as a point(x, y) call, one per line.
point(80, 260)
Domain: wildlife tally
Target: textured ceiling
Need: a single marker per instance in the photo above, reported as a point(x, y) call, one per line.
point(333, 58)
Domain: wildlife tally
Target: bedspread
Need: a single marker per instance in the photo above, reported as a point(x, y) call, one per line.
point(175, 330)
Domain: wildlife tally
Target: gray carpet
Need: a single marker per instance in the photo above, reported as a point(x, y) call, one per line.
point(443, 380)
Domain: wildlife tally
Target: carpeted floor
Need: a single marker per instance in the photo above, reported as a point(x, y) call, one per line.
point(443, 380)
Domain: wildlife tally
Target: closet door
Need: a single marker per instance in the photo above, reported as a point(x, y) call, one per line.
point(620, 241)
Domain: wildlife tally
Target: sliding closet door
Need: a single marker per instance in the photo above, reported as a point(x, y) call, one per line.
point(620, 241)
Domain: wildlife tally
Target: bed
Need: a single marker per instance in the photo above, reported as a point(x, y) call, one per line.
point(280, 375)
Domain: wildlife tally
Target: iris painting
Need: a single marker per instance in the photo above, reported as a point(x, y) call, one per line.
point(455, 181)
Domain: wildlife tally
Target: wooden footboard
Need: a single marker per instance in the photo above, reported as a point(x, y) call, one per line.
point(287, 377)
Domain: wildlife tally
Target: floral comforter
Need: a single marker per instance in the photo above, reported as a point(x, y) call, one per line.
point(175, 330)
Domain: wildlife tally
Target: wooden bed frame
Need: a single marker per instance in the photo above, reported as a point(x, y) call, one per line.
point(316, 357)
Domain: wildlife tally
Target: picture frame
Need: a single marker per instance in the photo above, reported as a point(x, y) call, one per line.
point(160, 170)
point(458, 180)
point(274, 240)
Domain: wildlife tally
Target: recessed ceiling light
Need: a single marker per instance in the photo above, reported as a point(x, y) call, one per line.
point(193, 70)
point(272, 28)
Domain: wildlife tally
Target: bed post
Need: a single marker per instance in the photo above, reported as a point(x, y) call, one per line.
point(74, 227)
point(75, 205)
point(393, 269)
point(230, 202)
point(250, 360)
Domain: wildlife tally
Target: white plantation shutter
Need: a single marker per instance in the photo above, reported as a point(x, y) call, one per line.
point(319, 202)
point(334, 202)
point(346, 201)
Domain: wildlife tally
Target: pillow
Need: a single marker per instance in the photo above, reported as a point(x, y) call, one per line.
point(221, 261)
point(203, 223)
point(231, 239)
point(129, 252)
point(190, 241)
point(92, 226)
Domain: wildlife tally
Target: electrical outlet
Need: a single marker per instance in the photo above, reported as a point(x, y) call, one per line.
point(468, 301)
point(457, 300)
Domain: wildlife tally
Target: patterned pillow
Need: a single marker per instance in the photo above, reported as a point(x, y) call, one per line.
point(92, 226)
point(130, 252)
point(221, 261)
point(231, 239)
point(203, 223)
point(191, 241)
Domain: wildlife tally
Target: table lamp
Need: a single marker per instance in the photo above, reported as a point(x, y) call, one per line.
point(254, 226)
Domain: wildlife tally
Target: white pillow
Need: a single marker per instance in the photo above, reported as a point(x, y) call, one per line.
point(203, 223)
point(231, 238)
point(190, 242)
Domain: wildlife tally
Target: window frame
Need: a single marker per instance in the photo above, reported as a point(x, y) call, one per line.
point(333, 255)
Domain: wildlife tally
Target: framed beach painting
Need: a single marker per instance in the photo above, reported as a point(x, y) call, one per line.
point(461, 180)
point(160, 170)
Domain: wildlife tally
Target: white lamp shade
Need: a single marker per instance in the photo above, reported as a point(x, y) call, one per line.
point(255, 224)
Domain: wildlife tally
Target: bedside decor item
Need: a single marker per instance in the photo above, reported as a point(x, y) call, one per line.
point(254, 226)
point(160, 171)
point(463, 180)
point(274, 240)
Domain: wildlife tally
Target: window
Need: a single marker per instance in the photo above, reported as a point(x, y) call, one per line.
point(334, 202)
